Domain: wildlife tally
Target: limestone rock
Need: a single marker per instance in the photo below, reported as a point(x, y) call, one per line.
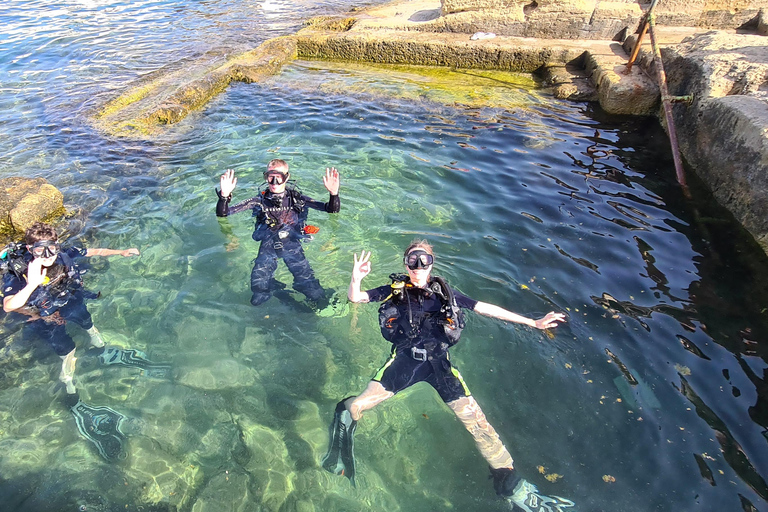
point(762, 22)
point(229, 490)
point(707, 13)
point(24, 201)
point(269, 464)
point(723, 132)
point(162, 477)
point(618, 92)
point(221, 374)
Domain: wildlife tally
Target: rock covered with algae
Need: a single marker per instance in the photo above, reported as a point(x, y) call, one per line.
point(24, 201)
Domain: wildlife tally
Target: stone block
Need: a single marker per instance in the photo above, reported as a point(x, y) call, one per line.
point(453, 6)
point(610, 18)
point(618, 93)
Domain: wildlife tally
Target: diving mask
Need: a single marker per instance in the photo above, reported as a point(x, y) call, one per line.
point(45, 249)
point(418, 259)
point(275, 177)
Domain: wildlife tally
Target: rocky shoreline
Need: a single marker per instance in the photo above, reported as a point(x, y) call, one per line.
point(723, 130)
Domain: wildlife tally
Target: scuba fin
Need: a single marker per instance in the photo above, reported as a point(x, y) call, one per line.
point(340, 459)
point(135, 358)
point(101, 426)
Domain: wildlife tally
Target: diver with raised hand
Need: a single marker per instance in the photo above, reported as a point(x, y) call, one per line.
point(422, 317)
point(281, 215)
point(44, 283)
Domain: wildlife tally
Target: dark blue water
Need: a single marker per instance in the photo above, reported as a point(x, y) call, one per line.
point(652, 397)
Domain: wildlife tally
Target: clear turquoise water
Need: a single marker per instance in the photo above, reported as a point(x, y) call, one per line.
point(520, 215)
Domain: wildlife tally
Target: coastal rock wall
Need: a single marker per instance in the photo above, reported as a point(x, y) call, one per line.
point(590, 19)
point(723, 133)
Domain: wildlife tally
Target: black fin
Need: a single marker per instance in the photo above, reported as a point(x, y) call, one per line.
point(101, 426)
point(340, 459)
point(136, 359)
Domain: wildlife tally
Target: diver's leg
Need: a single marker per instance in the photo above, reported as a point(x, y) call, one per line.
point(76, 311)
point(304, 279)
point(340, 458)
point(373, 395)
point(96, 339)
point(487, 440)
point(264, 267)
point(68, 371)
point(506, 481)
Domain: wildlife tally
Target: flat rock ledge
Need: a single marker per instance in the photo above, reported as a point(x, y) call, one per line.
point(722, 132)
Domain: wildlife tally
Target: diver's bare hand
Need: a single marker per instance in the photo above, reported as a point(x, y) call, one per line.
point(362, 266)
point(36, 272)
point(227, 183)
point(331, 180)
point(550, 320)
point(129, 252)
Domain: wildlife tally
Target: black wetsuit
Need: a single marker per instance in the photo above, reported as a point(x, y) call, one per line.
point(56, 303)
point(280, 221)
point(423, 355)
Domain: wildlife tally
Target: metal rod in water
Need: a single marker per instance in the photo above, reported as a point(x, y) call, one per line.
point(665, 101)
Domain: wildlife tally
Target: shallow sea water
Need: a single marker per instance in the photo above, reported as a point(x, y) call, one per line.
point(652, 396)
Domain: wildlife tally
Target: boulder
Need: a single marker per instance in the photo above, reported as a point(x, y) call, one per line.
point(24, 201)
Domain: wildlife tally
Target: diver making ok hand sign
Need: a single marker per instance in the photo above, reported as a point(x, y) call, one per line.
point(423, 317)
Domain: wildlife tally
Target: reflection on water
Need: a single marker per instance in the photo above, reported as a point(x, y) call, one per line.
point(654, 393)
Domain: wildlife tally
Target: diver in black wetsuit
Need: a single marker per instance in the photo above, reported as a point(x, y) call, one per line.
point(281, 215)
point(423, 317)
point(44, 284)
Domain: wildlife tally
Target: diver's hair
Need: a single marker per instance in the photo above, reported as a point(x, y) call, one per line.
point(278, 163)
point(40, 231)
point(421, 244)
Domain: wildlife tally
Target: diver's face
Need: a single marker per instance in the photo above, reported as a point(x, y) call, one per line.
point(277, 179)
point(419, 265)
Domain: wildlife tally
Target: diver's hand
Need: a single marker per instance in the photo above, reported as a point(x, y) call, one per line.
point(227, 183)
point(550, 320)
point(36, 273)
point(129, 252)
point(362, 266)
point(331, 180)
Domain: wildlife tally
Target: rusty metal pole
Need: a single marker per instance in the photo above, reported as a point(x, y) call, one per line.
point(643, 29)
point(636, 49)
point(666, 103)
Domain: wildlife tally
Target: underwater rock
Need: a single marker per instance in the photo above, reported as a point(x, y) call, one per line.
point(167, 96)
point(269, 464)
point(228, 490)
point(24, 201)
point(221, 374)
point(162, 477)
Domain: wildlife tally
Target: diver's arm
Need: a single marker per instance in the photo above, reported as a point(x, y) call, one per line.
point(222, 205)
point(112, 252)
point(35, 275)
point(361, 268)
point(548, 321)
